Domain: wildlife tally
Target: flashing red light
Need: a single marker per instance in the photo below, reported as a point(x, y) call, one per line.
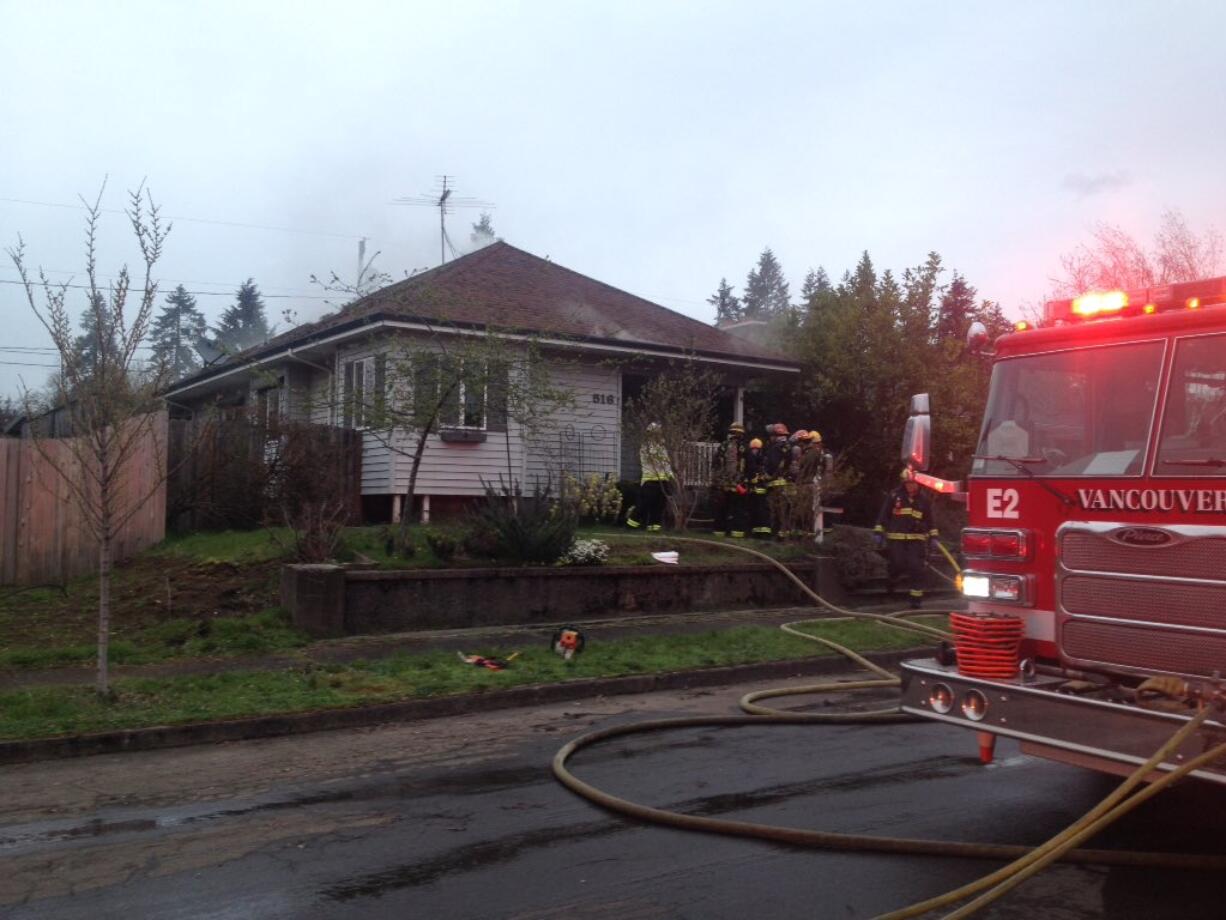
point(1149, 308)
point(945, 486)
point(1193, 303)
point(976, 543)
point(1008, 543)
point(1021, 326)
point(1097, 302)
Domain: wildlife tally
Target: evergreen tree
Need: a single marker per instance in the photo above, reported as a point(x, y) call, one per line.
point(957, 310)
point(244, 324)
point(727, 305)
point(867, 344)
point(766, 290)
point(816, 284)
point(9, 410)
point(175, 333)
point(483, 232)
point(89, 345)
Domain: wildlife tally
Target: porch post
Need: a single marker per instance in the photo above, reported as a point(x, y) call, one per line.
point(396, 500)
point(738, 406)
point(425, 509)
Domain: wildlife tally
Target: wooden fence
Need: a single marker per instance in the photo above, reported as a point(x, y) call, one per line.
point(44, 534)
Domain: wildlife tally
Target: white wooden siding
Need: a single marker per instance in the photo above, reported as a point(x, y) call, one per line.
point(582, 438)
point(585, 437)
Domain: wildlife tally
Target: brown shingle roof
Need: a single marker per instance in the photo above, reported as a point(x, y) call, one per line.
point(506, 288)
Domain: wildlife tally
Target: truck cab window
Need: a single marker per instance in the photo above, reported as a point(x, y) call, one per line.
point(1083, 412)
point(1193, 440)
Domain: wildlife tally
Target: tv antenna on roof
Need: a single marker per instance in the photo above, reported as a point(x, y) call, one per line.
point(446, 200)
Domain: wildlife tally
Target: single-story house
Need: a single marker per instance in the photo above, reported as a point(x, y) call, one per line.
point(600, 343)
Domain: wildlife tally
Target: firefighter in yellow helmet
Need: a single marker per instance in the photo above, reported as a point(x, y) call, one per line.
point(905, 528)
point(809, 468)
point(755, 482)
point(777, 460)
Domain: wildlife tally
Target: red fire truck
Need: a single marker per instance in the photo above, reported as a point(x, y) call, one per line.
point(1097, 529)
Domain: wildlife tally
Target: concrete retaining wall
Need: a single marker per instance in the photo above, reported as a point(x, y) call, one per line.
point(380, 601)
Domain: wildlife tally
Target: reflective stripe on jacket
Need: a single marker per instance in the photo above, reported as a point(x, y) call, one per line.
point(653, 458)
point(906, 517)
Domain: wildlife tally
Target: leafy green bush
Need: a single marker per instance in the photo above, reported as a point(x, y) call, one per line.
point(586, 552)
point(443, 544)
point(594, 498)
point(519, 528)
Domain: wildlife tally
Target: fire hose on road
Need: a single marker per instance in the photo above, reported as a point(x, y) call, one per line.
point(1026, 861)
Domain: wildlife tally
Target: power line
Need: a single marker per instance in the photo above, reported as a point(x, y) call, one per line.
point(193, 220)
point(86, 287)
point(27, 364)
point(227, 284)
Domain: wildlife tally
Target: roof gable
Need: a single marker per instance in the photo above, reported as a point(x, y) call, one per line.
point(505, 288)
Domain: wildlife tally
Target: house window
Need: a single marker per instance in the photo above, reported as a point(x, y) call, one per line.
point(268, 404)
point(365, 386)
point(463, 393)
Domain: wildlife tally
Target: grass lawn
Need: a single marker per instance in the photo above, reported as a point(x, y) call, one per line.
point(206, 594)
point(47, 711)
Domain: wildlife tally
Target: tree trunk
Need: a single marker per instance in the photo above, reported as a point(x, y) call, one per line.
point(406, 511)
point(104, 615)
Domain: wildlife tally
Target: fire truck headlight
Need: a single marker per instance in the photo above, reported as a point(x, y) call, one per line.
point(941, 698)
point(976, 586)
point(974, 705)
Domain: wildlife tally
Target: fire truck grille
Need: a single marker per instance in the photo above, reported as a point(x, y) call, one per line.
point(1144, 649)
point(1150, 601)
point(1155, 609)
point(1094, 552)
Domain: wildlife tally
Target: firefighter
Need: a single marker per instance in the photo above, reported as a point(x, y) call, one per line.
point(648, 511)
point(755, 482)
point(776, 463)
point(728, 489)
point(905, 527)
point(809, 468)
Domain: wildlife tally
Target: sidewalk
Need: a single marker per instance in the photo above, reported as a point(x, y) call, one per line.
point(487, 639)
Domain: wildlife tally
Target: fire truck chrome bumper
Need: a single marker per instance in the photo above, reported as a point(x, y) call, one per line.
point(1030, 710)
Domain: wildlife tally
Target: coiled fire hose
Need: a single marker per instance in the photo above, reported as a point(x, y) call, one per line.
point(1026, 860)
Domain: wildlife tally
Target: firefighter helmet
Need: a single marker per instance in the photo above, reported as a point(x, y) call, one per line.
point(755, 442)
point(907, 474)
point(780, 428)
point(801, 435)
point(815, 436)
point(736, 428)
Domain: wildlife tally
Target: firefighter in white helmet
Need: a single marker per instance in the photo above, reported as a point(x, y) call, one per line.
point(648, 511)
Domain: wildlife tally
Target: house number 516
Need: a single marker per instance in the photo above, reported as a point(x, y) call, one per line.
point(604, 399)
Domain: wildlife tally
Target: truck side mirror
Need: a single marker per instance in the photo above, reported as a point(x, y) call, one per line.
point(977, 338)
point(917, 436)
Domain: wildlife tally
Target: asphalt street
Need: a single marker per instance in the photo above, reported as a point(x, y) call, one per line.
point(462, 819)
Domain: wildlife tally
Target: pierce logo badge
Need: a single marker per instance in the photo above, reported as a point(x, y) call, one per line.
point(1142, 536)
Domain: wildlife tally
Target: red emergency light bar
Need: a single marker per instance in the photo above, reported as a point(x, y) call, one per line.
point(944, 486)
point(1188, 295)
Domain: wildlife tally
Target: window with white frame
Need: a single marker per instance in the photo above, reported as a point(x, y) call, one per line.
point(365, 388)
point(464, 393)
point(269, 404)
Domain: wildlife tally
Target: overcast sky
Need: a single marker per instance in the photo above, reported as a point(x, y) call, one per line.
point(655, 146)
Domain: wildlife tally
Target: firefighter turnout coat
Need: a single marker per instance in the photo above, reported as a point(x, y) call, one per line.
point(906, 517)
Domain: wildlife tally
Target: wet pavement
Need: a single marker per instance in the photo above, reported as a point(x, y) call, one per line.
point(462, 819)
